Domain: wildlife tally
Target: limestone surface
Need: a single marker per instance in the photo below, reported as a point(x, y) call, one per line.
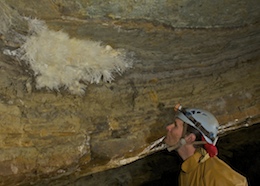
point(202, 54)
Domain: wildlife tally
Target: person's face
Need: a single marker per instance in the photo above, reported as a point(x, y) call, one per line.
point(174, 132)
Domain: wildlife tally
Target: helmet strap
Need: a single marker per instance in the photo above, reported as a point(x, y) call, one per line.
point(180, 143)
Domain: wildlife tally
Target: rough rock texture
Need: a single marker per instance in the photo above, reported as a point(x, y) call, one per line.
point(177, 13)
point(202, 54)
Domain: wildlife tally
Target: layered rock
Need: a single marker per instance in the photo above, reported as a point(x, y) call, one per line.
point(196, 54)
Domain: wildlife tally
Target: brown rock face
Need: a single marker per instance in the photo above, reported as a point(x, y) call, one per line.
point(201, 54)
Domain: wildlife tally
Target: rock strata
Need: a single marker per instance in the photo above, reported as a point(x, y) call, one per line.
point(188, 54)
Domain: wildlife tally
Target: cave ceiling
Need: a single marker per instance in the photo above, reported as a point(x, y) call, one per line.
point(198, 53)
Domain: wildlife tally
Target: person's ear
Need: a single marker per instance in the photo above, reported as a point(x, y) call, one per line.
point(190, 138)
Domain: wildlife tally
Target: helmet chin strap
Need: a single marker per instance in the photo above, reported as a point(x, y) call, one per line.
point(182, 141)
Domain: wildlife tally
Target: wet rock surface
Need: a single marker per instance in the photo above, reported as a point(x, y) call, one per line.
point(53, 135)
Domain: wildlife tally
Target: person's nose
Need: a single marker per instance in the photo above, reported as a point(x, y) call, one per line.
point(169, 127)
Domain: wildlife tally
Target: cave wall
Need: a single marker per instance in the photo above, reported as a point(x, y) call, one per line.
point(176, 13)
point(202, 54)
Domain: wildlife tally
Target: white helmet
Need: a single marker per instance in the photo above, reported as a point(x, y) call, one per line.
point(201, 120)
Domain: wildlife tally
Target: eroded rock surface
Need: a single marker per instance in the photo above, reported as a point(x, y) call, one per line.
point(188, 54)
